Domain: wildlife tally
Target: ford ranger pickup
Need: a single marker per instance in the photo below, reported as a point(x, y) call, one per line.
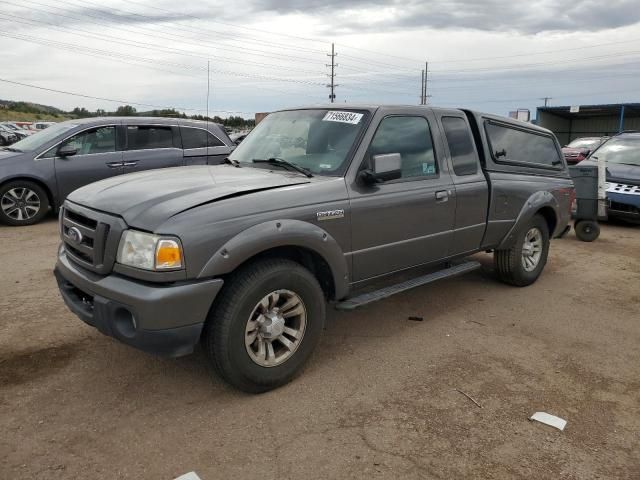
point(314, 207)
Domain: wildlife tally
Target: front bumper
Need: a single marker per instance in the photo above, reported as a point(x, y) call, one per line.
point(157, 318)
point(625, 206)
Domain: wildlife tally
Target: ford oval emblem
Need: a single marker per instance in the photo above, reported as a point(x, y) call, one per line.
point(74, 235)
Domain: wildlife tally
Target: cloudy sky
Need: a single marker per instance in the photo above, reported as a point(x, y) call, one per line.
point(491, 55)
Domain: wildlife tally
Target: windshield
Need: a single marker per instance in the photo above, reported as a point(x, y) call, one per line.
point(318, 140)
point(35, 141)
point(584, 143)
point(622, 150)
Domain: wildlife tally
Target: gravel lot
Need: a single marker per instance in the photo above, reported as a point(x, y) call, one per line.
point(378, 399)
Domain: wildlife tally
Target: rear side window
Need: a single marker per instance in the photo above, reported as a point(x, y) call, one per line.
point(141, 137)
point(463, 153)
point(198, 138)
point(519, 146)
point(411, 138)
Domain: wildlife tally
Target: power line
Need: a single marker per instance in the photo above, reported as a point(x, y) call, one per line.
point(151, 60)
point(126, 102)
point(163, 37)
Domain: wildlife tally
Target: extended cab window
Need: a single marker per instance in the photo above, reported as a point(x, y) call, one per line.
point(95, 140)
point(411, 138)
point(198, 138)
point(141, 137)
point(463, 153)
point(520, 146)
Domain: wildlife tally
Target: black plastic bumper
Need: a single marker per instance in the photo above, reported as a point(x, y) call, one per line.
point(136, 313)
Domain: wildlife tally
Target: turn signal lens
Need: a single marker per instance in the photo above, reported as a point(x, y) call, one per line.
point(168, 255)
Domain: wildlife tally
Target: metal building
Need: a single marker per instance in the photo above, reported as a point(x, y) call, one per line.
point(569, 123)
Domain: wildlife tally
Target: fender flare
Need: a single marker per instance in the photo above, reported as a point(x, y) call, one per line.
point(280, 233)
point(533, 204)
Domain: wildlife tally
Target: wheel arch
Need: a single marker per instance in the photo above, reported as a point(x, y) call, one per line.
point(38, 181)
point(302, 242)
point(542, 203)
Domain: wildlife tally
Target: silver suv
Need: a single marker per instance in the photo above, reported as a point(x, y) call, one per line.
point(38, 172)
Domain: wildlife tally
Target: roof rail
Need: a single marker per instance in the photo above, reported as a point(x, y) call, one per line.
point(625, 131)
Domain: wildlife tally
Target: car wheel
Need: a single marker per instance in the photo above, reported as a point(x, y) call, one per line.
point(265, 324)
point(22, 203)
point(522, 264)
point(587, 230)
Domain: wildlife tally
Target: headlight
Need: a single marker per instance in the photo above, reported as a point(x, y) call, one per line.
point(149, 252)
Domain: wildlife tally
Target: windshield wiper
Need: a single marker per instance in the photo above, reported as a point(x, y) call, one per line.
point(11, 149)
point(284, 163)
point(235, 163)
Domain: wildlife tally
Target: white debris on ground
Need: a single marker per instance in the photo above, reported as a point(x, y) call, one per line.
point(549, 419)
point(189, 476)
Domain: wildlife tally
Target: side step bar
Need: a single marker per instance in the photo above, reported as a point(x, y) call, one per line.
point(366, 298)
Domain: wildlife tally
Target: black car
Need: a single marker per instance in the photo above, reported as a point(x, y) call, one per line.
point(7, 137)
point(622, 156)
point(38, 172)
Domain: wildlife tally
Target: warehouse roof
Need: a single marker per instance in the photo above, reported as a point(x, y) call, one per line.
point(611, 109)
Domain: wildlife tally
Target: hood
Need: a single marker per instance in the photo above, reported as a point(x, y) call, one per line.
point(6, 155)
point(145, 200)
point(618, 173)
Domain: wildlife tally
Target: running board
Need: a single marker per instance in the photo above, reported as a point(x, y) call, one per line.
point(366, 298)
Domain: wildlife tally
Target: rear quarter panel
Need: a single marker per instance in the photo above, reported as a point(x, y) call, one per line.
point(519, 191)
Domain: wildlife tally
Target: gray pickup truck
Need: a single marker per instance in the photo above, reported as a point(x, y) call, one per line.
point(314, 207)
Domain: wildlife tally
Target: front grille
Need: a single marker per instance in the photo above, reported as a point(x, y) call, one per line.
point(623, 207)
point(90, 238)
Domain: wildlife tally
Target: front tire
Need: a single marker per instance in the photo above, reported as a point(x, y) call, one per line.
point(522, 264)
point(22, 203)
point(265, 324)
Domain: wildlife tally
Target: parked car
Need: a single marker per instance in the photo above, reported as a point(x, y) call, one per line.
point(580, 148)
point(42, 125)
point(20, 130)
point(38, 172)
point(7, 137)
point(622, 156)
point(313, 206)
point(238, 137)
point(17, 133)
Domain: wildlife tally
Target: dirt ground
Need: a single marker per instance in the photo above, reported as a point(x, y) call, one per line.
point(378, 399)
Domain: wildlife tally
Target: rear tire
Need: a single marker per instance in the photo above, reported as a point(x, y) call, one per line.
point(522, 264)
point(587, 230)
point(265, 324)
point(22, 203)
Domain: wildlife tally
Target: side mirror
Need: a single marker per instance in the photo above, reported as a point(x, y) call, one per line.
point(586, 152)
point(67, 151)
point(384, 168)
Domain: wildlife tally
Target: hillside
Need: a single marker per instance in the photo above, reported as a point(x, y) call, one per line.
point(29, 112)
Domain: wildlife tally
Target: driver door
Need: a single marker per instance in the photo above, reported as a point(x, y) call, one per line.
point(407, 222)
point(97, 157)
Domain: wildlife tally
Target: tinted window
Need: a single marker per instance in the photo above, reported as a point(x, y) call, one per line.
point(511, 145)
point(96, 140)
point(463, 153)
point(198, 138)
point(143, 137)
point(411, 138)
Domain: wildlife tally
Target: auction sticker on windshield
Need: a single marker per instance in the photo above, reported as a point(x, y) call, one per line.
point(343, 117)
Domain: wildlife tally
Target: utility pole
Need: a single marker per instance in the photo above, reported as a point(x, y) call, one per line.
point(546, 100)
point(332, 85)
point(426, 79)
point(423, 89)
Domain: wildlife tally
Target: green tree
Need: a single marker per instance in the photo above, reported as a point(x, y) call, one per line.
point(126, 111)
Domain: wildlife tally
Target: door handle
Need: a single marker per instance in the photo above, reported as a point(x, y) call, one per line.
point(442, 196)
point(130, 164)
point(115, 164)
